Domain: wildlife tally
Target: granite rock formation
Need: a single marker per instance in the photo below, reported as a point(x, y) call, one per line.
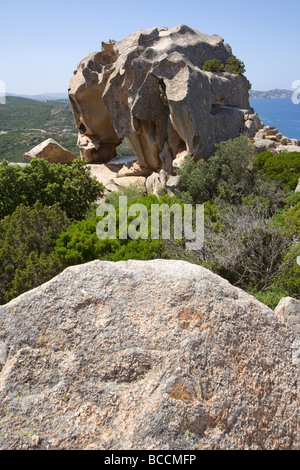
point(290, 309)
point(151, 89)
point(51, 151)
point(145, 355)
point(269, 138)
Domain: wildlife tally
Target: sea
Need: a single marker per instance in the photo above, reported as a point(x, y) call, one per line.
point(281, 113)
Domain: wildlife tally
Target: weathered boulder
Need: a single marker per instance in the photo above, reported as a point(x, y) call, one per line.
point(288, 148)
point(51, 151)
point(128, 180)
point(173, 182)
point(290, 309)
point(154, 184)
point(105, 174)
point(268, 138)
point(179, 161)
point(151, 89)
point(262, 145)
point(298, 186)
point(133, 169)
point(145, 355)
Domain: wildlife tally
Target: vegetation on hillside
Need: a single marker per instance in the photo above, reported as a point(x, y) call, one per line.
point(252, 227)
point(68, 185)
point(28, 122)
point(25, 123)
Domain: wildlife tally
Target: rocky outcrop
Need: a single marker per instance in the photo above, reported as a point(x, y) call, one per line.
point(269, 138)
point(51, 151)
point(290, 309)
point(145, 355)
point(113, 176)
point(150, 88)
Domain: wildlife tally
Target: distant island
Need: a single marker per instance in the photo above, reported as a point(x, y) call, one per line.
point(254, 94)
point(271, 94)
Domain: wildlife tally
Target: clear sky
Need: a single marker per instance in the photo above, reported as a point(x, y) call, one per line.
point(43, 41)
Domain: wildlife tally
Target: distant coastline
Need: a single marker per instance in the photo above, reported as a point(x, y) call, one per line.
point(253, 94)
point(271, 94)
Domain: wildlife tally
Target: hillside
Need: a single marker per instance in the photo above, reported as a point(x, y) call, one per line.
point(25, 123)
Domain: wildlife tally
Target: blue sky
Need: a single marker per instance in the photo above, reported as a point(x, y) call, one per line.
point(42, 42)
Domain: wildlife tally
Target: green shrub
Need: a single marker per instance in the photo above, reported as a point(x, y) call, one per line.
point(284, 167)
point(71, 186)
point(289, 276)
point(270, 297)
point(27, 237)
point(134, 190)
point(227, 175)
point(213, 65)
point(80, 243)
point(234, 66)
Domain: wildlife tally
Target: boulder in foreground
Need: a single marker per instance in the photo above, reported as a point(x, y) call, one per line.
point(145, 355)
point(51, 151)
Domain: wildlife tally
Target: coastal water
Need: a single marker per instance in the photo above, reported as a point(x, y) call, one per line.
point(281, 113)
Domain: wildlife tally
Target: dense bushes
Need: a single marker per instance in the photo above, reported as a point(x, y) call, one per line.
point(68, 185)
point(81, 244)
point(284, 167)
point(228, 174)
point(37, 203)
point(252, 217)
point(247, 247)
point(252, 229)
point(27, 238)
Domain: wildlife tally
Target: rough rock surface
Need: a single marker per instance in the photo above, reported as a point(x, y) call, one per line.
point(145, 355)
point(269, 138)
point(290, 309)
point(151, 89)
point(51, 151)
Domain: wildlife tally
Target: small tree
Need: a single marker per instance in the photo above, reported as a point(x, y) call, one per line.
point(213, 65)
point(234, 66)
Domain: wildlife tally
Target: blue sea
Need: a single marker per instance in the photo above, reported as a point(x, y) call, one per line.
point(281, 113)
